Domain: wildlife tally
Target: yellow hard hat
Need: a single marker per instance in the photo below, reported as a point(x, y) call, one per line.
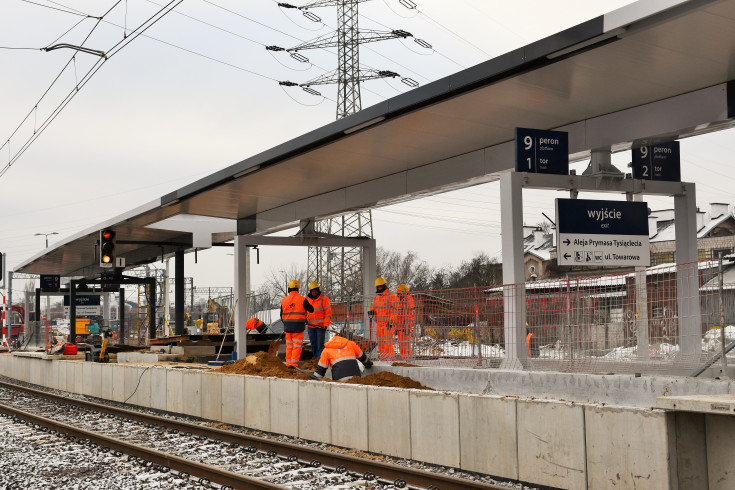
point(402, 288)
point(313, 285)
point(379, 282)
point(294, 284)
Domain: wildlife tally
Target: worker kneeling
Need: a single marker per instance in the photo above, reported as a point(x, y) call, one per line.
point(342, 355)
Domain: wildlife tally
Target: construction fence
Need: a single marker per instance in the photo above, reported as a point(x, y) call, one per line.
point(632, 322)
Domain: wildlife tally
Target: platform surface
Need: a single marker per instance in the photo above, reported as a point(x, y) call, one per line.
point(715, 404)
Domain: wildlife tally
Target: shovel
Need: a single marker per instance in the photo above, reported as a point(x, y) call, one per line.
point(311, 375)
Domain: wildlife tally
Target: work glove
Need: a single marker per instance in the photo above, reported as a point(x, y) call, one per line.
point(368, 364)
point(371, 314)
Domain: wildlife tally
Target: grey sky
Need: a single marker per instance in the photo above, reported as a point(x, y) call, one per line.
point(156, 117)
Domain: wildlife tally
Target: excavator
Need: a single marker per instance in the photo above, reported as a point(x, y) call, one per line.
point(215, 320)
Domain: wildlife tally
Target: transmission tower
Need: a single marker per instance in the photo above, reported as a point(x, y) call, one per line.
point(339, 270)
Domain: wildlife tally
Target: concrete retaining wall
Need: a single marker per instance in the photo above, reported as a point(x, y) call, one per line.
point(554, 443)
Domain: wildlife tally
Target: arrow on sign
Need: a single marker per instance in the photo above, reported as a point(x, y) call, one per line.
point(566, 242)
point(566, 256)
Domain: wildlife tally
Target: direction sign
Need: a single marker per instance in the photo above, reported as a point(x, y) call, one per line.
point(50, 281)
point(657, 162)
point(83, 300)
point(599, 233)
point(542, 152)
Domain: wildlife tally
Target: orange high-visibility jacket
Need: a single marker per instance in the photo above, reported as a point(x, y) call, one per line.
point(293, 312)
point(253, 323)
point(322, 315)
point(385, 305)
point(405, 315)
point(342, 355)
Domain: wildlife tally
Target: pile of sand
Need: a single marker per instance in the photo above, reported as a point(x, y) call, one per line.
point(386, 378)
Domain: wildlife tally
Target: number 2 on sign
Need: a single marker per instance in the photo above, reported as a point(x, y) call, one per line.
point(528, 141)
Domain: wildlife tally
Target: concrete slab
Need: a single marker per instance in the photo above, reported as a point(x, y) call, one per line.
point(192, 386)
point(118, 383)
point(93, 379)
point(87, 378)
point(314, 409)
point(284, 406)
point(691, 450)
point(551, 444)
point(233, 399)
point(258, 403)
point(158, 387)
point(720, 437)
point(630, 448)
point(212, 396)
point(60, 367)
point(715, 404)
point(106, 381)
point(487, 434)
point(69, 368)
point(35, 372)
point(174, 390)
point(143, 394)
point(349, 407)
point(389, 421)
point(79, 377)
point(435, 427)
point(52, 375)
point(128, 357)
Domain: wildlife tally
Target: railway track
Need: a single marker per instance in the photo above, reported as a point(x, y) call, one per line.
point(218, 458)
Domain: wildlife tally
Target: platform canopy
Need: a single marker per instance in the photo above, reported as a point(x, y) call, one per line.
point(651, 71)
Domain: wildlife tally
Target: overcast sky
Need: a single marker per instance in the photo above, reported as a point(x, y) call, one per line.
point(201, 93)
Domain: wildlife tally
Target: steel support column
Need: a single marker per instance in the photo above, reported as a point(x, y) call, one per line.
point(242, 293)
point(121, 317)
point(687, 277)
point(514, 291)
point(150, 286)
point(179, 326)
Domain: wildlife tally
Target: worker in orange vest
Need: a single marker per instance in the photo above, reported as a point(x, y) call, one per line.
point(293, 313)
point(406, 319)
point(319, 321)
point(383, 310)
point(531, 343)
point(255, 324)
point(341, 355)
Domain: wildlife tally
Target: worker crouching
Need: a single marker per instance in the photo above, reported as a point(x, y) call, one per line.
point(341, 355)
point(293, 313)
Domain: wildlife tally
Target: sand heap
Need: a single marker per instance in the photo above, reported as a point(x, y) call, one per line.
point(266, 365)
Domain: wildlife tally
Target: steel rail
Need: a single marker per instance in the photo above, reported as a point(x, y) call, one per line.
point(211, 473)
point(384, 471)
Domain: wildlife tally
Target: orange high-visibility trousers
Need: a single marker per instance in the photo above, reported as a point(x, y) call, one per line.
point(385, 341)
point(404, 342)
point(294, 342)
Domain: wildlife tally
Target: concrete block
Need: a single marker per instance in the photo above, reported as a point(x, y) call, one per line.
point(118, 383)
point(4, 364)
point(487, 435)
point(192, 392)
point(35, 368)
point(131, 388)
point(141, 380)
point(27, 361)
point(314, 409)
point(69, 368)
point(284, 406)
point(691, 449)
point(435, 427)
point(60, 367)
point(212, 396)
point(106, 381)
point(87, 378)
point(79, 378)
point(551, 444)
point(720, 437)
point(630, 448)
point(233, 399)
point(158, 387)
point(52, 375)
point(389, 421)
point(174, 391)
point(349, 406)
point(257, 403)
point(93, 378)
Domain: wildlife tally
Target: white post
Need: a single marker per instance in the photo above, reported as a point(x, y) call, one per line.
point(242, 293)
point(687, 278)
point(369, 273)
point(514, 291)
point(167, 296)
point(641, 304)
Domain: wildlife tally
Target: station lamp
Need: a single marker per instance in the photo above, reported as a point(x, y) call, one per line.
point(107, 248)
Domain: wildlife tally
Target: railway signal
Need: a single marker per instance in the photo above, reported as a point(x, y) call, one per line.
point(107, 248)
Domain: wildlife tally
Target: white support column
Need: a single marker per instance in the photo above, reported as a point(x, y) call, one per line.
point(641, 304)
point(242, 294)
point(687, 278)
point(106, 307)
point(369, 273)
point(514, 291)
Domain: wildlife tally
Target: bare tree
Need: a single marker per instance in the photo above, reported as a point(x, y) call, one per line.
point(398, 268)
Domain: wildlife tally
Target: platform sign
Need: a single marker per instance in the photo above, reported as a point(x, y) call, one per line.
point(602, 233)
point(542, 152)
point(87, 304)
point(50, 281)
point(657, 162)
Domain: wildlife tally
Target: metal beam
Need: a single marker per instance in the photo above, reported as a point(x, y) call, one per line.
point(302, 241)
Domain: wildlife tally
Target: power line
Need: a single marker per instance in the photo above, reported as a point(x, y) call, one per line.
point(58, 9)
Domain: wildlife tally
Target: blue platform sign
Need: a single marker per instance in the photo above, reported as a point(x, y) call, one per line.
point(602, 233)
point(657, 162)
point(50, 281)
point(542, 152)
point(83, 300)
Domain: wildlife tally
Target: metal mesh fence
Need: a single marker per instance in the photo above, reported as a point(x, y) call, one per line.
point(663, 318)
